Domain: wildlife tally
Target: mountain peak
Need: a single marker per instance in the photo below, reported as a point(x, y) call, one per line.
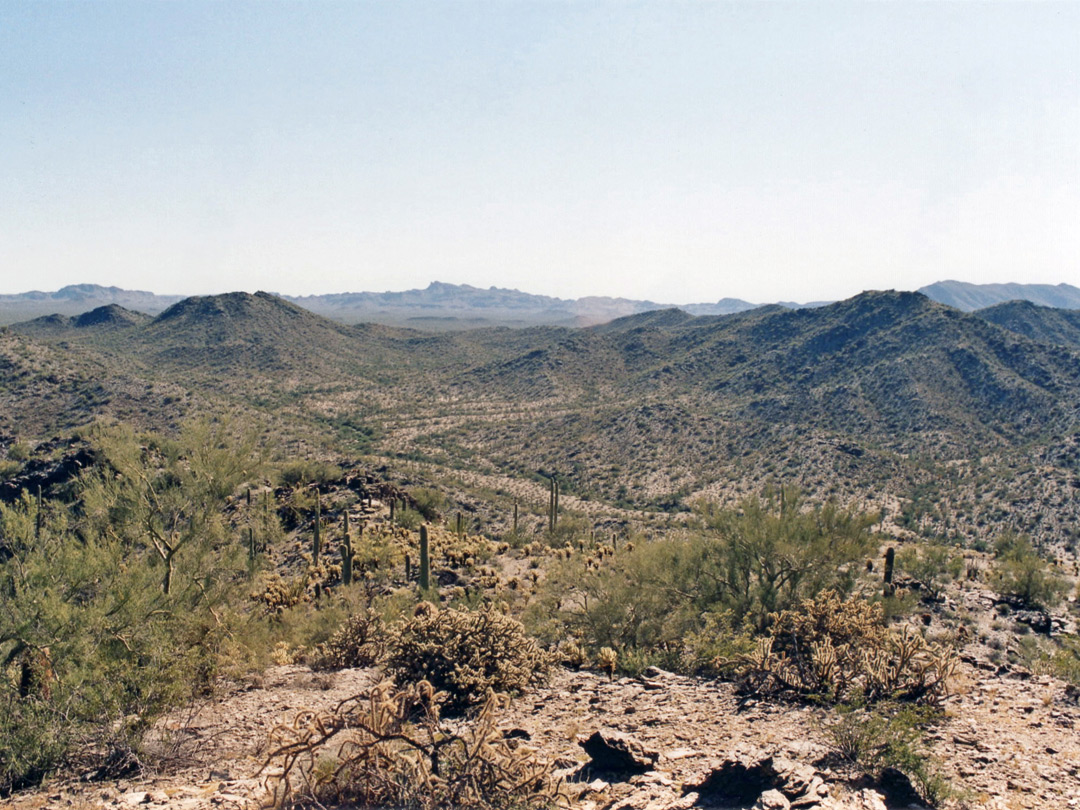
point(110, 315)
point(881, 302)
point(230, 305)
point(84, 291)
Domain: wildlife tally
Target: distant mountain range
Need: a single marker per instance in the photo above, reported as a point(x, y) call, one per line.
point(884, 390)
point(970, 297)
point(442, 307)
point(438, 307)
point(76, 299)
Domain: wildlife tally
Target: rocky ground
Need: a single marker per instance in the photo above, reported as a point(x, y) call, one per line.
point(657, 742)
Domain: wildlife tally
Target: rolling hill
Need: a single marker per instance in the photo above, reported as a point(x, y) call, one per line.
point(1043, 324)
point(885, 395)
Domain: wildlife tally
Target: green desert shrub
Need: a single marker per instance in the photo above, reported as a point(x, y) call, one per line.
point(430, 503)
point(34, 740)
point(121, 598)
point(768, 554)
point(1019, 573)
point(301, 473)
point(1065, 661)
point(409, 519)
point(18, 451)
point(743, 564)
point(932, 566)
point(873, 738)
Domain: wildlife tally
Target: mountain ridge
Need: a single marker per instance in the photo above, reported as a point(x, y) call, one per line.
point(970, 297)
point(1042, 324)
point(452, 307)
point(885, 391)
point(439, 306)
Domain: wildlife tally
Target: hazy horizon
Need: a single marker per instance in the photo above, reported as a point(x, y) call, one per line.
point(512, 289)
point(670, 152)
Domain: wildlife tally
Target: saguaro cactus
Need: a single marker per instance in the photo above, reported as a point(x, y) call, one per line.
point(425, 560)
point(890, 558)
point(317, 540)
point(515, 517)
point(346, 550)
point(316, 545)
point(553, 504)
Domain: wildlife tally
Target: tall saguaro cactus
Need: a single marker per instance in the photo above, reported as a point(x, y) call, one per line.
point(250, 528)
point(425, 560)
point(316, 545)
point(346, 550)
point(553, 504)
point(890, 558)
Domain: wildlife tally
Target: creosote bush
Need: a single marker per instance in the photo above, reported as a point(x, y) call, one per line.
point(1020, 574)
point(465, 653)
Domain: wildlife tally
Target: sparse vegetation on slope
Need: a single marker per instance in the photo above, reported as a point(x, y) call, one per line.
point(616, 499)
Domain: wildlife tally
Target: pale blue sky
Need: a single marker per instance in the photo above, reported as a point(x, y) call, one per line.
point(681, 152)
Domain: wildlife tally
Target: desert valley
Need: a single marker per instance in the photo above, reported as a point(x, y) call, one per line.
point(773, 557)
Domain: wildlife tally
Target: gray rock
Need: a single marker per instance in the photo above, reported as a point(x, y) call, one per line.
point(772, 800)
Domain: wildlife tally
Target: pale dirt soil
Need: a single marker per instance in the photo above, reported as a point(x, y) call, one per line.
point(1011, 741)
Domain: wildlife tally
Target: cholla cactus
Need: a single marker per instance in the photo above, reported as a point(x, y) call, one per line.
point(466, 653)
point(607, 659)
point(359, 642)
point(830, 648)
point(571, 654)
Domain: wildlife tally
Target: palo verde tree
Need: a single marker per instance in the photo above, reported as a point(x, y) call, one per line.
point(168, 495)
point(115, 594)
point(772, 552)
point(741, 563)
